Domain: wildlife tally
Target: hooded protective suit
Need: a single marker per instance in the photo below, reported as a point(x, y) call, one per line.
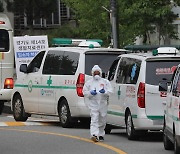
point(97, 90)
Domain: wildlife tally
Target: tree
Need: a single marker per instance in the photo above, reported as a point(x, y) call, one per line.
point(92, 19)
point(136, 18)
point(144, 16)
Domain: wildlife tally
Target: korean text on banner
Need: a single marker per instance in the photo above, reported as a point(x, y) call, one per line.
point(27, 47)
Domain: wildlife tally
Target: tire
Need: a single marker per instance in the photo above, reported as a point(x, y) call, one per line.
point(108, 129)
point(168, 145)
point(130, 131)
point(18, 109)
point(1, 107)
point(64, 114)
point(176, 147)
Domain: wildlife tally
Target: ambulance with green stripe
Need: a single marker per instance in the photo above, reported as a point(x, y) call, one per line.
point(6, 60)
point(52, 83)
point(171, 127)
point(136, 103)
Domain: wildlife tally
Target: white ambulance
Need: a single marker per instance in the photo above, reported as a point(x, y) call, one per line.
point(171, 129)
point(52, 83)
point(137, 103)
point(6, 60)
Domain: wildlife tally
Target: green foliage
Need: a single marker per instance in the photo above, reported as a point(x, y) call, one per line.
point(65, 31)
point(136, 18)
point(92, 19)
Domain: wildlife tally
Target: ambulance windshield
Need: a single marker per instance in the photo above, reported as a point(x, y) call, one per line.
point(4, 40)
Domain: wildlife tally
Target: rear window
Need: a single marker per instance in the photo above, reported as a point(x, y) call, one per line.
point(103, 60)
point(4, 40)
point(160, 70)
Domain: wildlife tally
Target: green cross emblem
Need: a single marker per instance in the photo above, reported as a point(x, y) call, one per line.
point(49, 81)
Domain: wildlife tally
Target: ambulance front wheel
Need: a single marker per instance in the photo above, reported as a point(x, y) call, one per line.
point(18, 109)
point(64, 114)
point(1, 106)
point(130, 131)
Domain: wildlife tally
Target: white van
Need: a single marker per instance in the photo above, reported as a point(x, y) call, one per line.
point(137, 103)
point(6, 60)
point(171, 129)
point(52, 83)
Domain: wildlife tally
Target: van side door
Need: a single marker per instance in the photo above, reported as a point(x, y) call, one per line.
point(32, 80)
point(50, 76)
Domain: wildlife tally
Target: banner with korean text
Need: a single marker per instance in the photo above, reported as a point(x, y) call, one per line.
point(27, 47)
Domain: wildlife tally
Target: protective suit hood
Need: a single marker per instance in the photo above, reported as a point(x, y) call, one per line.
point(96, 68)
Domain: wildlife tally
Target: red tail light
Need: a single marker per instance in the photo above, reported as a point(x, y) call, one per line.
point(80, 84)
point(141, 95)
point(8, 83)
point(2, 22)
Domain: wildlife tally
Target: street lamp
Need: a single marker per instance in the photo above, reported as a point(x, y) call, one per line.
point(110, 14)
point(113, 20)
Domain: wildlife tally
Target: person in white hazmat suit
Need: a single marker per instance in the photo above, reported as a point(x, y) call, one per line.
point(97, 91)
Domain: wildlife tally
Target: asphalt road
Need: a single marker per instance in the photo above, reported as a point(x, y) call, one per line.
point(42, 135)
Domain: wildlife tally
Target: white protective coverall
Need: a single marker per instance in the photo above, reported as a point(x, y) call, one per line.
point(98, 103)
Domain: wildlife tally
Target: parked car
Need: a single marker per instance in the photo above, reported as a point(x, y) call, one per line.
point(52, 83)
point(136, 103)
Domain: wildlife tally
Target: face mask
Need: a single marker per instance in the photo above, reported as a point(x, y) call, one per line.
point(97, 77)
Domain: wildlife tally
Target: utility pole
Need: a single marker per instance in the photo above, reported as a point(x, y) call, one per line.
point(114, 22)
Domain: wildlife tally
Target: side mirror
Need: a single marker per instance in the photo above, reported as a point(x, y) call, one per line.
point(23, 68)
point(163, 86)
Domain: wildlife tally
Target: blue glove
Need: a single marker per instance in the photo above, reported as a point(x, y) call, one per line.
point(102, 91)
point(93, 92)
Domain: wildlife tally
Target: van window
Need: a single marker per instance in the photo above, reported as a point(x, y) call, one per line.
point(176, 84)
point(4, 40)
point(52, 62)
point(69, 63)
point(112, 70)
point(103, 60)
point(157, 71)
point(35, 64)
point(61, 63)
point(128, 71)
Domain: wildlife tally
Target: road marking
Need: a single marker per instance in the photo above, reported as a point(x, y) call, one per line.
point(14, 123)
point(31, 122)
point(118, 151)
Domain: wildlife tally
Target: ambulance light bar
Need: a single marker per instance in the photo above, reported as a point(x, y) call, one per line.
point(165, 50)
point(74, 42)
